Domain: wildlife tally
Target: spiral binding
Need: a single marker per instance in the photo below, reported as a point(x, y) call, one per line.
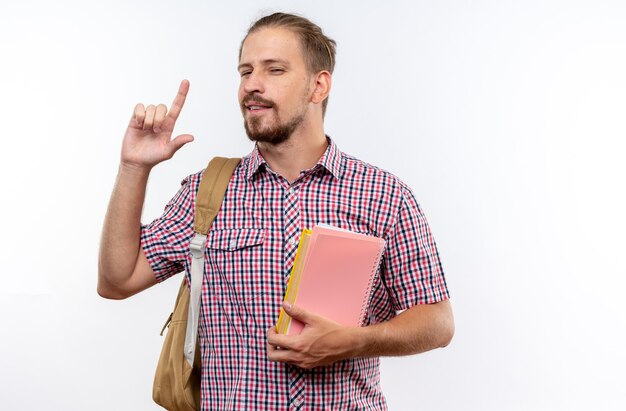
point(370, 284)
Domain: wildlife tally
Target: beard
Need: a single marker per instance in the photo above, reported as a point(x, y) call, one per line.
point(275, 133)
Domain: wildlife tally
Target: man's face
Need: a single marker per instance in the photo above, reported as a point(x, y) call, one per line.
point(275, 87)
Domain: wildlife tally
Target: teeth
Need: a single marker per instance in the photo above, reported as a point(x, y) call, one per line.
point(256, 107)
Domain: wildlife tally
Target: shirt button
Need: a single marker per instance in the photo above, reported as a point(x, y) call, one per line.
point(233, 244)
point(298, 402)
point(292, 241)
point(292, 190)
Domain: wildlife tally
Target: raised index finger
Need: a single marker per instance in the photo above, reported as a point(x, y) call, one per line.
point(179, 100)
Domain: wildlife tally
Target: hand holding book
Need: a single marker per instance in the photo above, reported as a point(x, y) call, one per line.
point(332, 276)
point(321, 342)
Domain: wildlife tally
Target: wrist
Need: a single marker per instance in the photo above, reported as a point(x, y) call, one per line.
point(134, 170)
point(361, 341)
point(368, 340)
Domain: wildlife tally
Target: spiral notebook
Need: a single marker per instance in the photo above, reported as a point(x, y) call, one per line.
point(332, 276)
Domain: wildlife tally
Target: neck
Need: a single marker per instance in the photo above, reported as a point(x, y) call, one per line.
point(300, 152)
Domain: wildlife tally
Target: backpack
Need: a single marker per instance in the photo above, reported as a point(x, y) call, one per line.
point(176, 384)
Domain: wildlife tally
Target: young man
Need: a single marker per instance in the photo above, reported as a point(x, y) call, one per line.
point(296, 177)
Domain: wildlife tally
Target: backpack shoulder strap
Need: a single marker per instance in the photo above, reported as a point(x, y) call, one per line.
point(211, 192)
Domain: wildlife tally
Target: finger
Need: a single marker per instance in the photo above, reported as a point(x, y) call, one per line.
point(149, 120)
point(271, 352)
point(159, 116)
point(179, 100)
point(272, 336)
point(280, 340)
point(139, 114)
point(178, 142)
point(280, 354)
point(299, 313)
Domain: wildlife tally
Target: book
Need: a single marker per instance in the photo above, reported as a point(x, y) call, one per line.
point(332, 276)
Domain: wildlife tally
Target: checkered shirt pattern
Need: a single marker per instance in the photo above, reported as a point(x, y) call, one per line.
point(250, 250)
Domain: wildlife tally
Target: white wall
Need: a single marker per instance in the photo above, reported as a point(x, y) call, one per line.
point(507, 119)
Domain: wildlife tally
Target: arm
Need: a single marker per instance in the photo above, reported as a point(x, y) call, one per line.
point(420, 328)
point(123, 269)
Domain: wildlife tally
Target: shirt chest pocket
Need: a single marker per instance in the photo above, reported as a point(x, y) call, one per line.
point(233, 256)
point(235, 239)
point(232, 279)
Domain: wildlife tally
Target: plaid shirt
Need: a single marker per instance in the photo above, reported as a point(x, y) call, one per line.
point(250, 250)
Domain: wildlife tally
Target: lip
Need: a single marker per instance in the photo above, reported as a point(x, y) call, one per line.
point(256, 103)
point(264, 107)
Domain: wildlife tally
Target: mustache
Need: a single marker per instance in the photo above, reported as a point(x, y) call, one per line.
point(255, 97)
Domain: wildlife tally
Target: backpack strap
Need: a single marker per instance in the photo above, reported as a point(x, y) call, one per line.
point(211, 192)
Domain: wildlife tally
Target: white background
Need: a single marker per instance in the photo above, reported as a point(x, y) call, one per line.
point(506, 118)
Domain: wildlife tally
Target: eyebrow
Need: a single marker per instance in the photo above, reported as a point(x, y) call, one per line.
point(265, 62)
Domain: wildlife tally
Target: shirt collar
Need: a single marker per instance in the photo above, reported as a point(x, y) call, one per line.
point(330, 160)
point(256, 160)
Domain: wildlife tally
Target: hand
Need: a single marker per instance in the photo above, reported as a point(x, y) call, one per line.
point(147, 139)
point(321, 342)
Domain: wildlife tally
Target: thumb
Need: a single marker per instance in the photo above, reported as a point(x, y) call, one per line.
point(299, 313)
point(178, 142)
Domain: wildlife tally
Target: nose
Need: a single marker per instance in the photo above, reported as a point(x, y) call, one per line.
point(252, 83)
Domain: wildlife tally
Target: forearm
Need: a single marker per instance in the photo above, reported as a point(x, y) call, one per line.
point(416, 330)
point(322, 342)
point(120, 242)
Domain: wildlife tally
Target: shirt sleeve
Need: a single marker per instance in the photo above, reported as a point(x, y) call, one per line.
point(165, 241)
point(411, 266)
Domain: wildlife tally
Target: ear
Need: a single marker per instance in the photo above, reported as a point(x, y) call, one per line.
point(321, 86)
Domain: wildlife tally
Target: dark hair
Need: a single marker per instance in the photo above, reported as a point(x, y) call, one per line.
point(318, 49)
